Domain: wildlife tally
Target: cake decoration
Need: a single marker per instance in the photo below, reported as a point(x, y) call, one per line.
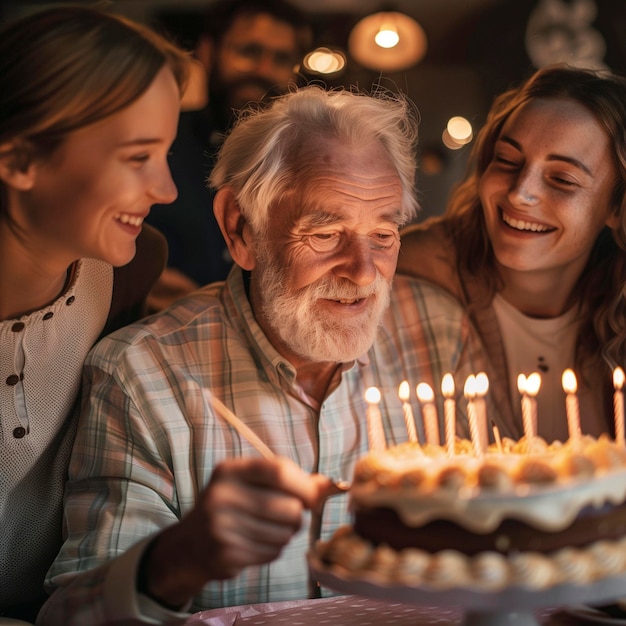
point(464, 514)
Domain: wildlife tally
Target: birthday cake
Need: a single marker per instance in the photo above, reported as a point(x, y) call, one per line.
point(521, 513)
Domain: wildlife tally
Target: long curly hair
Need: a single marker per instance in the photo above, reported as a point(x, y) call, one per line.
point(601, 287)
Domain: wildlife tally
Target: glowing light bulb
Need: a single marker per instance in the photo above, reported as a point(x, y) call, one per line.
point(387, 36)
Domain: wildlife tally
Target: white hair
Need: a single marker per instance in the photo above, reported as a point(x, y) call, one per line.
point(259, 158)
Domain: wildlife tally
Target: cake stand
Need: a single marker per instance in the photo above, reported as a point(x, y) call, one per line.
point(512, 606)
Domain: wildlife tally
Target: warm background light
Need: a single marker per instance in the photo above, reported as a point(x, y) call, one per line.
point(458, 133)
point(324, 61)
point(387, 37)
point(389, 41)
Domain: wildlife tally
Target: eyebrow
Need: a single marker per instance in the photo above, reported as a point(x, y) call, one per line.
point(551, 157)
point(319, 218)
point(325, 218)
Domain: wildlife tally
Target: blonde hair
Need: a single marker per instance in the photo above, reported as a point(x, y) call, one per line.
point(67, 67)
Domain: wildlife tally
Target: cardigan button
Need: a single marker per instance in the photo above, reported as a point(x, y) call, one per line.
point(12, 380)
point(18, 327)
point(48, 315)
point(19, 432)
point(70, 300)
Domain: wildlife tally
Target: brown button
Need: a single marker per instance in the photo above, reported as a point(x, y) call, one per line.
point(70, 300)
point(48, 315)
point(17, 327)
point(19, 432)
point(13, 379)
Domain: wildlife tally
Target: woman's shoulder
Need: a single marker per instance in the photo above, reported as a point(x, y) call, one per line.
point(427, 251)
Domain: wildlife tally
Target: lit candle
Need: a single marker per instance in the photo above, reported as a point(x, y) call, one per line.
point(571, 404)
point(375, 433)
point(404, 392)
point(496, 436)
point(618, 404)
point(482, 386)
point(426, 396)
point(529, 432)
point(470, 393)
point(533, 384)
point(449, 411)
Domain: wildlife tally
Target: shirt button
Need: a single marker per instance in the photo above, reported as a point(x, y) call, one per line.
point(70, 300)
point(17, 327)
point(48, 315)
point(19, 432)
point(13, 379)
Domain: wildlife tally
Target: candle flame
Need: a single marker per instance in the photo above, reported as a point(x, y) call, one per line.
point(521, 383)
point(447, 386)
point(569, 381)
point(425, 393)
point(482, 384)
point(372, 395)
point(404, 391)
point(470, 386)
point(618, 377)
point(533, 384)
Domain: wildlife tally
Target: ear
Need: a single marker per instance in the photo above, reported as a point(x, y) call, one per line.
point(234, 228)
point(20, 176)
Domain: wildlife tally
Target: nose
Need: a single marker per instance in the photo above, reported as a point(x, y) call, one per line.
point(525, 190)
point(357, 262)
point(163, 189)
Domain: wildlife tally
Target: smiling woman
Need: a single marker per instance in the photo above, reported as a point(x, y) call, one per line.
point(533, 243)
point(88, 110)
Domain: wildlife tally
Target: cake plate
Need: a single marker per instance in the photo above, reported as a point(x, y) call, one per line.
point(512, 606)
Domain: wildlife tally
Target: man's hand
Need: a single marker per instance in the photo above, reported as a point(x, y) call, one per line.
point(248, 512)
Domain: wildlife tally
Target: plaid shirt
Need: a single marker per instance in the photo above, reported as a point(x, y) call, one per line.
point(148, 442)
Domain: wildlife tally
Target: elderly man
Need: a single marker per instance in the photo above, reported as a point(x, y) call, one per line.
point(168, 509)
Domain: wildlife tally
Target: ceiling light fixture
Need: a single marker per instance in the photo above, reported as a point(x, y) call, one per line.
point(388, 40)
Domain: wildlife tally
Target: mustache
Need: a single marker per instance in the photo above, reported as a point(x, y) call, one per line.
point(329, 288)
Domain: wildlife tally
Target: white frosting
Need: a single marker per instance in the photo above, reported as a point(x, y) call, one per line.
point(548, 506)
point(491, 571)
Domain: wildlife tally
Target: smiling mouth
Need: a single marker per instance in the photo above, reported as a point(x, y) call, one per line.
point(350, 301)
point(525, 226)
point(133, 220)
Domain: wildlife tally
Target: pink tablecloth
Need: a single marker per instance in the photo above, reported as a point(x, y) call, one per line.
point(342, 610)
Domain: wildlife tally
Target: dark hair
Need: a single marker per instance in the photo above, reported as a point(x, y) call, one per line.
point(64, 68)
point(601, 287)
point(220, 17)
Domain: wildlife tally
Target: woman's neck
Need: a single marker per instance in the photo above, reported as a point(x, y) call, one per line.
point(538, 294)
point(28, 282)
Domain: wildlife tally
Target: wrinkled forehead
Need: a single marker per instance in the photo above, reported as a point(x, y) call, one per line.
point(345, 182)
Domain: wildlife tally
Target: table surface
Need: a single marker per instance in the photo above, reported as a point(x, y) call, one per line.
point(351, 611)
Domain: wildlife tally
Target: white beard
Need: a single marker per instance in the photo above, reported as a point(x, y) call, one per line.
point(314, 334)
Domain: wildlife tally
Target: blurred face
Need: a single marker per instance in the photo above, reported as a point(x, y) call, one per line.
point(256, 55)
point(91, 197)
point(323, 274)
point(546, 193)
